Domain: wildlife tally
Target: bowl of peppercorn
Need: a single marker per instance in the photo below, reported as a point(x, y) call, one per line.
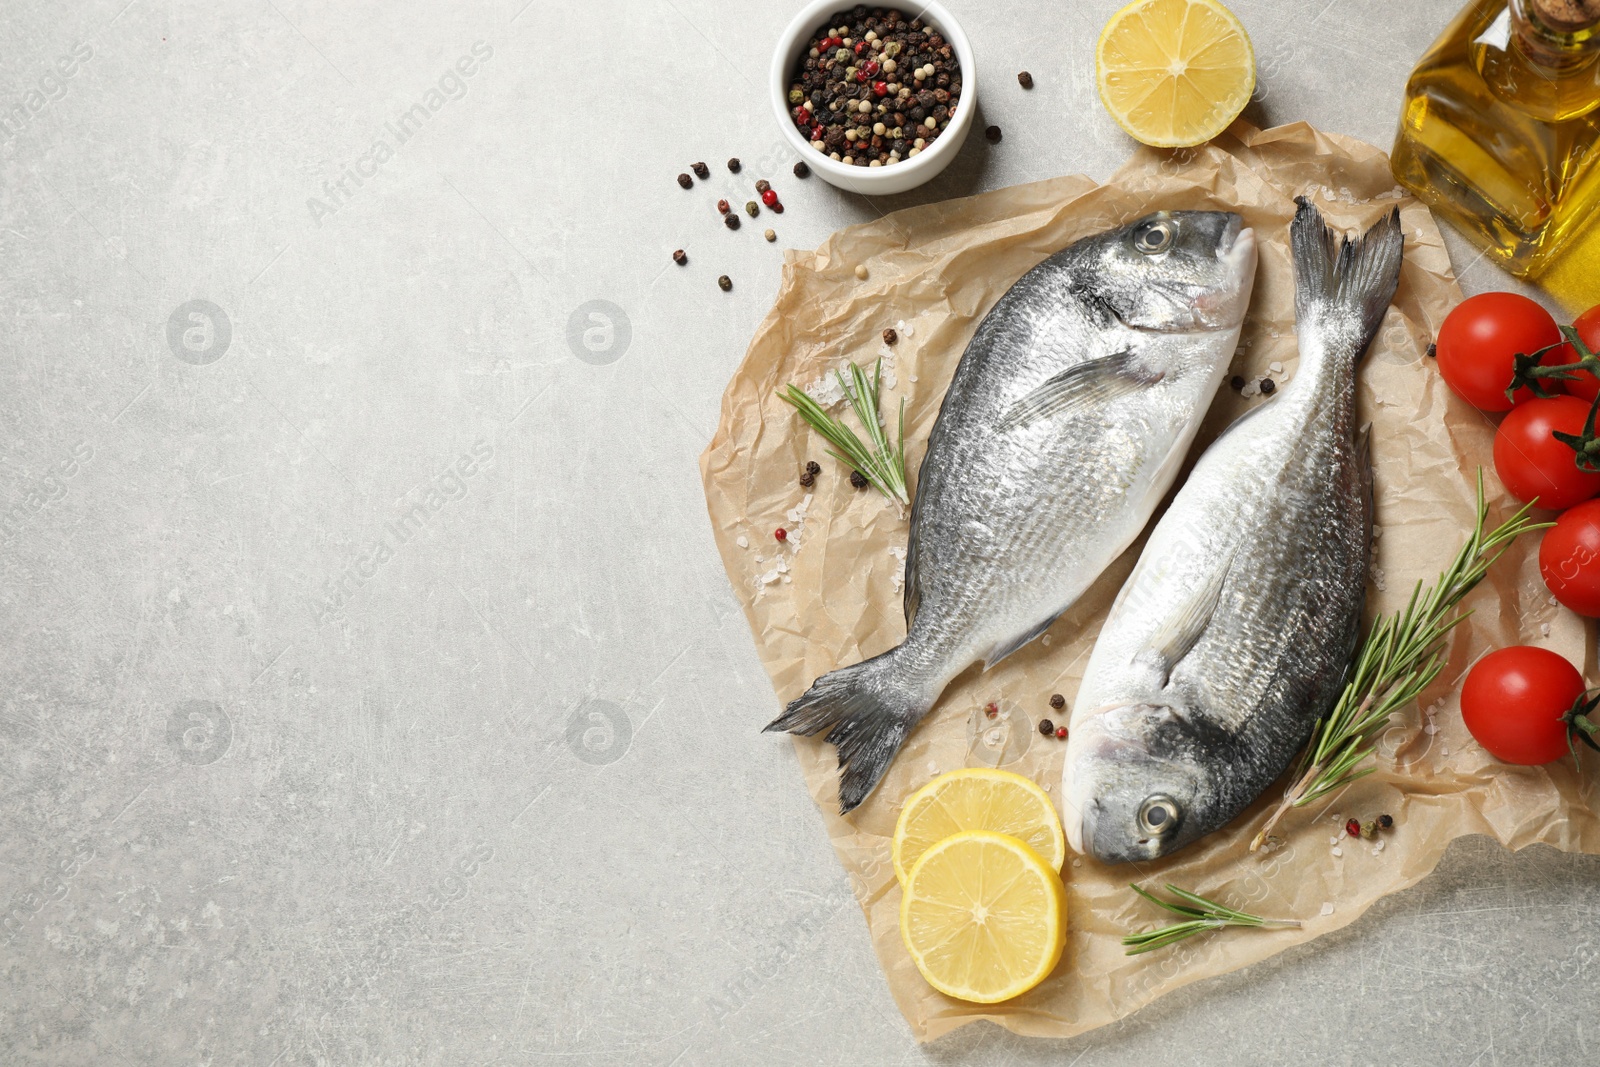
point(877, 100)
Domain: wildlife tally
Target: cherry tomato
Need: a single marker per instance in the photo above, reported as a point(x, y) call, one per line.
point(1588, 327)
point(1532, 463)
point(1569, 558)
point(1514, 700)
point(1478, 340)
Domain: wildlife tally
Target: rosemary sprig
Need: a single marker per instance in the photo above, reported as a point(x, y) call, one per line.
point(1400, 658)
point(1200, 915)
point(880, 463)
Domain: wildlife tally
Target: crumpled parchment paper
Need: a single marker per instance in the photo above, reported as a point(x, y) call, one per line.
point(832, 594)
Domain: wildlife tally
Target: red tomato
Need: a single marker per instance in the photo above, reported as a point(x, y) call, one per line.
point(1532, 463)
point(1479, 338)
point(1514, 700)
point(1569, 558)
point(1588, 327)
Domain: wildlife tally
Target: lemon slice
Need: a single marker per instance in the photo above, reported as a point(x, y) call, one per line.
point(982, 916)
point(1174, 72)
point(978, 798)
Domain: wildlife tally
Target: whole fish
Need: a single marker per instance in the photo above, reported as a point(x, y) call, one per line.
point(1233, 633)
point(1064, 425)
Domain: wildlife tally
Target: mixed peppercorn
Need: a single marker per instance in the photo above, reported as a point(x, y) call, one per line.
point(874, 89)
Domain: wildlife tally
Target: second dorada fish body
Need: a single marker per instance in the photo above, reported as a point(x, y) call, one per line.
point(1233, 633)
point(1063, 426)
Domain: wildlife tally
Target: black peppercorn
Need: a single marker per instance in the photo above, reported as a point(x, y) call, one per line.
point(994, 134)
point(731, 220)
point(680, 257)
point(1385, 822)
point(1047, 727)
point(762, 185)
point(701, 171)
point(807, 480)
point(1057, 701)
point(801, 170)
point(889, 336)
point(1025, 80)
point(1237, 381)
point(1433, 351)
point(1268, 386)
point(858, 480)
point(813, 468)
point(733, 164)
point(685, 181)
point(725, 283)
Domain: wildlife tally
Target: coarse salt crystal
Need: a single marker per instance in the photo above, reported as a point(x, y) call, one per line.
point(904, 329)
point(744, 542)
point(1045, 640)
point(1378, 847)
point(933, 768)
point(1430, 729)
point(1275, 368)
point(769, 577)
point(1250, 389)
point(1327, 907)
point(1334, 840)
point(1337, 851)
point(1544, 629)
point(1077, 861)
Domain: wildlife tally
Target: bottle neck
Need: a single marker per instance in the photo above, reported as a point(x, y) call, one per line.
point(1559, 35)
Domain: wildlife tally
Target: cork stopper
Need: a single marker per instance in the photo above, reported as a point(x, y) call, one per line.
point(1567, 14)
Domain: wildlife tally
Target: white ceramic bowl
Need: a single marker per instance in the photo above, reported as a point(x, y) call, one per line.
point(908, 173)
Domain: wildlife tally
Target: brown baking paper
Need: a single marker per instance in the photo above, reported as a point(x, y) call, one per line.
point(832, 594)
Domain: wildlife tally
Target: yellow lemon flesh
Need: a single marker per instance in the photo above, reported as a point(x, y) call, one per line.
point(983, 917)
point(1174, 73)
point(978, 798)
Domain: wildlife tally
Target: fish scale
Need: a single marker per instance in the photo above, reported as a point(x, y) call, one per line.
point(1060, 431)
point(1232, 634)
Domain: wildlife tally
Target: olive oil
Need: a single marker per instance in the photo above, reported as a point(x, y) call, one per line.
point(1500, 129)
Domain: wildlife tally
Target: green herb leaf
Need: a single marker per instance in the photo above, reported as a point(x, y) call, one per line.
point(1400, 658)
point(880, 463)
point(1200, 915)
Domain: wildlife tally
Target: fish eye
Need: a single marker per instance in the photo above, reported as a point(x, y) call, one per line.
point(1158, 814)
point(1153, 237)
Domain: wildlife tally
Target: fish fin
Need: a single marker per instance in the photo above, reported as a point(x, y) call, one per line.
point(867, 713)
point(1005, 648)
point(912, 598)
point(1179, 632)
point(1358, 275)
point(1093, 381)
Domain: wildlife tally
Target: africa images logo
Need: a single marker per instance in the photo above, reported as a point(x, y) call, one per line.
point(452, 85)
point(420, 506)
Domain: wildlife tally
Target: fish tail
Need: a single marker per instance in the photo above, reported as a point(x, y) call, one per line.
point(1345, 276)
point(867, 710)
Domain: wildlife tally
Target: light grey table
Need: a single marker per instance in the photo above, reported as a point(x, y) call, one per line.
point(372, 694)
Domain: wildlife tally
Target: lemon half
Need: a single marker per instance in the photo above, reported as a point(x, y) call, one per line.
point(983, 917)
point(978, 798)
point(1174, 73)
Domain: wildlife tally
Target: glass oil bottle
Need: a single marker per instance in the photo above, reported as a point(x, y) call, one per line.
point(1501, 134)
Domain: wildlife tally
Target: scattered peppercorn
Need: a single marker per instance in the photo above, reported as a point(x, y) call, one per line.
point(777, 208)
point(680, 257)
point(1268, 386)
point(752, 208)
point(1433, 351)
point(813, 467)
point(1061, 732)
point(725, 283)
point(889, 336)
point(991, 709)
point(769, 197)
point(1353, 827)
point(1046, 727)
point(771, 235)
point(731, 220)
point(685, 181)
point(781, 534)
point(801, 170)
point(1025, 80)
point(701, 171)
point(1057, 701)
point(722, 207)
point(1237, 381)
point(1385, 822)
point(858, 479)
point(994, 134)
point(734, 164)
point(807, 480)
point(861, 271)
point(762, 185)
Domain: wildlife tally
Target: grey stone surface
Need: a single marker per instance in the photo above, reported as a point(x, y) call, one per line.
point(371, 692)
